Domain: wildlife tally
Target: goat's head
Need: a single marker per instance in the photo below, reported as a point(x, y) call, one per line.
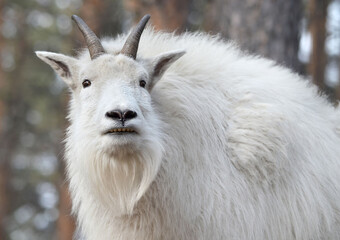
point(112, 116)
point(112, 91)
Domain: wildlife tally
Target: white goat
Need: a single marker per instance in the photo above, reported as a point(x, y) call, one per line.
point(224, 146)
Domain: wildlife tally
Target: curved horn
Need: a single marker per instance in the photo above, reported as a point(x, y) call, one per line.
point(131, 45)
point(92, 41)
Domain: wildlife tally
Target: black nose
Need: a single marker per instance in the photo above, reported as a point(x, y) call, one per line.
point(121, 115)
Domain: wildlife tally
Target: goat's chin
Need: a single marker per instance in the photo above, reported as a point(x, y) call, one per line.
point(122, 146)
point(118, 174)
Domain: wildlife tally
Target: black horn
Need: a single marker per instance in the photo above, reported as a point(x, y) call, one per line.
point(92, 41)
point(131, 45)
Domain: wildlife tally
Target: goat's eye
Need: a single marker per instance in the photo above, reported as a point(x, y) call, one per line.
point(142, 83)
point(86, 83)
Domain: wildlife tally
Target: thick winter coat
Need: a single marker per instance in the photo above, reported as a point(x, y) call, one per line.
point(217, 144)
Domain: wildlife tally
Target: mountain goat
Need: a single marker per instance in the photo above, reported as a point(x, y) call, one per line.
point(189, 138)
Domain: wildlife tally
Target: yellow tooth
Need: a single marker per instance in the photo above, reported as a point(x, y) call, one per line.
point(121, 130)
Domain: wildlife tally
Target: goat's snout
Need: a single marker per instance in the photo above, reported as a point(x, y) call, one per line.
point(121, 115)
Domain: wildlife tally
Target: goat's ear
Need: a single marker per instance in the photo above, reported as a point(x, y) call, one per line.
point(161, 63)
point(66, 67)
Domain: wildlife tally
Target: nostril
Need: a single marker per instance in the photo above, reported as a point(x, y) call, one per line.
point(114, 114)
point(129, 114)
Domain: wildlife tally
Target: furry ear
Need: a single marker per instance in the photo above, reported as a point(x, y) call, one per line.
point(66, 67)
point(161, 63)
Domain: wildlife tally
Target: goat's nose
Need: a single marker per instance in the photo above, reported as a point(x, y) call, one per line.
point(122, 116)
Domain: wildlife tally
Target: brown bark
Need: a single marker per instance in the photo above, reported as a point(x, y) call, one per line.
point(269, 28)
point(3, 161)
point(3, 198)
point(66, 224)
point(103, 17)
point(317, 27)
point(90, 12)
point(167, 15)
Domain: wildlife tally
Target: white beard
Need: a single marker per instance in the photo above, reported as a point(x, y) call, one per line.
point(114, 181)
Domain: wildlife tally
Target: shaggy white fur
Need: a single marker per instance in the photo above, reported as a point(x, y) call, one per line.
point(229, 146)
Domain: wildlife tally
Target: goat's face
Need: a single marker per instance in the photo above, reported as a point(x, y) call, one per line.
point(113, 100)
point(112, 104)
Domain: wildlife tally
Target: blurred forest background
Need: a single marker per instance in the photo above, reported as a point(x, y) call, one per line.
point(34, 203)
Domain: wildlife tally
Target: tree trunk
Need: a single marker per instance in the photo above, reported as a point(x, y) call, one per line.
point(103, 17)
point(3, 160)
point(317, 27)
point(166, 15)
point(3, 198)
point(66, 224)
point(269, 28)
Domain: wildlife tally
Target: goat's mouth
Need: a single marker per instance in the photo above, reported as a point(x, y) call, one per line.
point(120, 131)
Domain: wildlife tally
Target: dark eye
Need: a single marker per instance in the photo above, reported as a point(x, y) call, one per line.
point(86, 83)
point(142, 83)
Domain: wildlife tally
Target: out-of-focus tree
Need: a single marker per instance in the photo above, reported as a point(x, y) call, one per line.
point(167, 15)
point(3, 163)
point(66, 224)
point(4, 176)
point(317, 27)
point(104, 17)
point(269, 28)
